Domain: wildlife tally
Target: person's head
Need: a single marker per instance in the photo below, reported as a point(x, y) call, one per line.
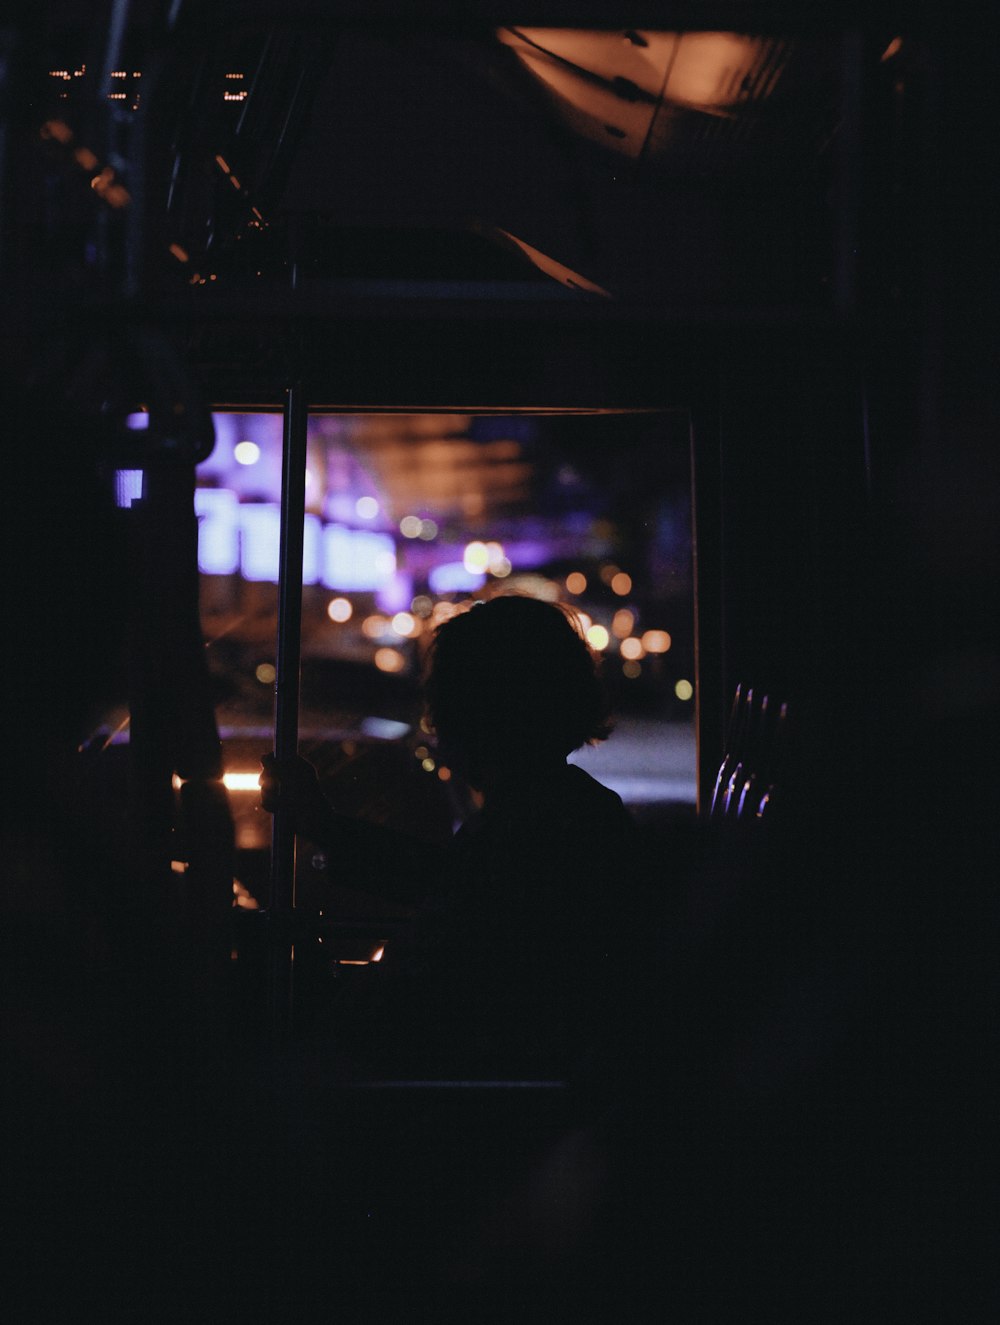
point(512, 680)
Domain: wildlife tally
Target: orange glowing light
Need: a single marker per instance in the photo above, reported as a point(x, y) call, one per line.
point(375, 625)
point(223, 164)
point(622, 624)
point(576, 582)
point(179, 253)
point(389, 660)
point(444, 773)
point(378, 954)
point(57, 129)
point(85, 158)
point(656, 641)
point(632, 669)
point(621, 584)
point(894, 47)
point(632, 649)
point(241, 781)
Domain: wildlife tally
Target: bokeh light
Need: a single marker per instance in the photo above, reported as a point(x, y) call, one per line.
point(366, 507)
point(576, 582)
point(375, 625)
point(410, 526)
point(389, 660)
point(597, 637)
point(632, 648)
point(632, 669)
point(428, 530)
point(656, 641)
point(246, 453)
point(476, 557)
point(621, 584)
point(265, 673)
point(339, 609)
point(405, 624)
point(623, 623)
point(683, 689)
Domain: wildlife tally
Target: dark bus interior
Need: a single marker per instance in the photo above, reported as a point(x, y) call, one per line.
point(681, 315)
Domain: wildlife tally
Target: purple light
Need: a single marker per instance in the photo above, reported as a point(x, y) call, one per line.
point(128, 486)
point(137, 422)
point(452, 577)
point(396, 594)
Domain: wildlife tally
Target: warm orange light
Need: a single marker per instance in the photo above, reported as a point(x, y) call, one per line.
point(223, 164)
point(576, 582)
point(894, 47)
point(179, 253)
point(241, 781)
point(85, 158)
point(444, 774)
point(378, 954)
point(632, 649)
point(405, 624)
point(375, 625)
point(266, 673)
point(389, 660)
point(621, 584)
point(57, 129)
point(622, 623)
point(656, 641)
point(632, 669)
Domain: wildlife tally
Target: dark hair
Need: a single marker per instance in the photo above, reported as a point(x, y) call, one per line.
point(514, 673)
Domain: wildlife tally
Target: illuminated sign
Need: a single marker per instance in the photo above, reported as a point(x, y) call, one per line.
point(245, 537)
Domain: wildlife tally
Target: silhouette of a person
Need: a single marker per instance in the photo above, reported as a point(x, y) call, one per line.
point(519, 941)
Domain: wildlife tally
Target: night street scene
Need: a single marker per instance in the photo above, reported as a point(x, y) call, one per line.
point(501, 663)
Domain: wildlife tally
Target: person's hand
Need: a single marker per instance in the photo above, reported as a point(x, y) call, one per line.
point(291, 785)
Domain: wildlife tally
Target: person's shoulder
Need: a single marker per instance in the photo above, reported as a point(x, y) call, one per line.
point(587, 787)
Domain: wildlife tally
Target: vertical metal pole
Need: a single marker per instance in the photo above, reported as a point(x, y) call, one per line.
point(286, 705)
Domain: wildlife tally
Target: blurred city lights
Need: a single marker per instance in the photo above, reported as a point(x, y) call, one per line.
point(428, 530)
point(340, 609)
point(246, 453)
point(389, 660)
point(410, 526)
point(241, 781)
point(608, 573)
point(576, 582)
point(476, 557)
point(583, 622)
point(265, 673)
point(632, 649)
point(375, 626)
point(597, 637)
point(366, 507)
point(683, 689)
point(621, 584)
point(444, 773)
point(632, 670)
point(378, 954)
point(656, 641)
point(422, 605)
point(623, 623)
point(404, 624)
point(428, 765)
